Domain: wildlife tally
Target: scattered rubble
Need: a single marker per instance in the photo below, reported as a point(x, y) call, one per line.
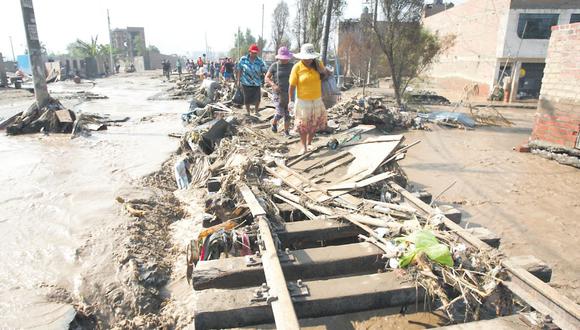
point(370, 110)
point(564, 156)
point(426, 97)
point(52, 118)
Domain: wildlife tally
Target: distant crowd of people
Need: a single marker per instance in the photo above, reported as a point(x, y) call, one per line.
point(222, 70)
point(296, 87)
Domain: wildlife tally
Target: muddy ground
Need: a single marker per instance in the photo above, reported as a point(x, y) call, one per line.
point(531, 202)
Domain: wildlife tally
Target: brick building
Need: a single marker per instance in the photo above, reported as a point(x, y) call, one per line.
point(558, 115)
point(499, 38)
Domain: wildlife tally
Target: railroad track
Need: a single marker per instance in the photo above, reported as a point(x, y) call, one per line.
point(329, 262)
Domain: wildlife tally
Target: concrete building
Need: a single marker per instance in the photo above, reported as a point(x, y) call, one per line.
point(132, 43)
point(499, 38)
point(558, 116)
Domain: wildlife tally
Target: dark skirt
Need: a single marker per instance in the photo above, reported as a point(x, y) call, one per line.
point(251, 94)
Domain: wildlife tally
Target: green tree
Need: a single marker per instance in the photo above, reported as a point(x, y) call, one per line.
point(138, 46)
point(153, 49)
point(243, 41)
point(84, 49)
point(410, 49)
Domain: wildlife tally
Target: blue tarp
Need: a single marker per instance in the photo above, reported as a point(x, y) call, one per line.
point(24, 64)
point(449, 117)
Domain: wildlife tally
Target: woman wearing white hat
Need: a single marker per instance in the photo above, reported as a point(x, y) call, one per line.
point(309, 111)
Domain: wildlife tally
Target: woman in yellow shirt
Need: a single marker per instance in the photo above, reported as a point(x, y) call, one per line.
point(309, 111)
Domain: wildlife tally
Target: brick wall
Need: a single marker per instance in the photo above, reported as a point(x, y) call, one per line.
point(558, 114)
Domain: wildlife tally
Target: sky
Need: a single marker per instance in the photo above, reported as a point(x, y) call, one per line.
point(174, 26)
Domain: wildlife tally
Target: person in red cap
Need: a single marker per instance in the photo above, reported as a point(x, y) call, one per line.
point(249, 76)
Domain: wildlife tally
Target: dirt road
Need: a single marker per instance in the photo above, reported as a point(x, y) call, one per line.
point(531, 202)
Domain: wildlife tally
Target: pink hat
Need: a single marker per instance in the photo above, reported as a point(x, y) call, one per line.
point(284, 54)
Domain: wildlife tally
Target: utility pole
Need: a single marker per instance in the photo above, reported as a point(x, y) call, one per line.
point(326, 31)
point(262, 34)
point(238, 40)
point(112, 69)
point(12, 47)
point(206, 49)
point(34, 51)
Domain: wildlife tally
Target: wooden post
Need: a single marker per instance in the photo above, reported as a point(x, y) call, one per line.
point(282, 305)
point(35, 53)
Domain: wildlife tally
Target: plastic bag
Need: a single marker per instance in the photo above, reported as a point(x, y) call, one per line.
point(238, 97)
point(426, 242)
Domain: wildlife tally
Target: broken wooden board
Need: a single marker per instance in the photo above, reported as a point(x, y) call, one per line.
point(370, 156)
point(234, 308)
point(512, 322)
point(305, 264)
point(63, 116)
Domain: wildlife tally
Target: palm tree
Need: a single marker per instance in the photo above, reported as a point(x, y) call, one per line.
point(87, 49)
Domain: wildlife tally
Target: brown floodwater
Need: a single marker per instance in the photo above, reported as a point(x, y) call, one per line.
point(56, 193)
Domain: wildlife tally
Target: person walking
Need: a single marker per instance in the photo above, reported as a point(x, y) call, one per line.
point(249, 75)
point(278, 77)
point(211, 70)
point(305, 79)
point(178, 66)
point(228, 69)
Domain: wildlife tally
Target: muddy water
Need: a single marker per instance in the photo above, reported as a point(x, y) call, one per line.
point(55, 193)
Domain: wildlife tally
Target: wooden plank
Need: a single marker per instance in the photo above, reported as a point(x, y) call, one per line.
point(542, 297)
point(334, 166)
point(302, 178)
point(297, 206)
point(313, 263)
point(232, 308)
point(347, 186)
point(282, 306)
point(327, 161)
point(512, 322)
point(539, 295)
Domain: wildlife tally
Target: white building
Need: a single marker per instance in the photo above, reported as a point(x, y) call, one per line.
point(497, 38)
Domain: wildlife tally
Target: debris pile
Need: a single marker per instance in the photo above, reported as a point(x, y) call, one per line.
point(52, 118)
point(352, 183)
point(87, 122)
point(370, 110)
point(204, 91)
point(426, 97)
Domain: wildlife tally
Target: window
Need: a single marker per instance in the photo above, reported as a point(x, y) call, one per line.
point(536, 26)
point(575, 18)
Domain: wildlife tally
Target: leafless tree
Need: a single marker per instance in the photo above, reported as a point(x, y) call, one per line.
point(309, 20)
point(280, 25)
point(410, 49)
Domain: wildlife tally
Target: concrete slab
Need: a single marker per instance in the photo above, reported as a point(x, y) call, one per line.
point(233, 308)
point(307, 264)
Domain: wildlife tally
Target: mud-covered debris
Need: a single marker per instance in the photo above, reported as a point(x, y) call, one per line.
point(52, 118)
point(370, 110)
